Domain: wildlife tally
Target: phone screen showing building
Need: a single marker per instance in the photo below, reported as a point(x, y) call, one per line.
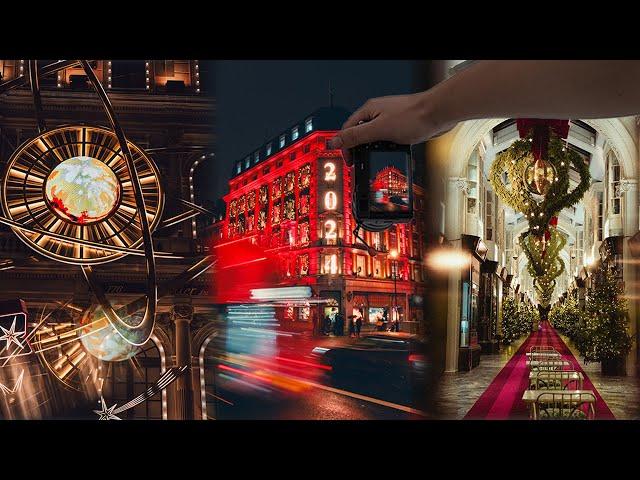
point(388, 184)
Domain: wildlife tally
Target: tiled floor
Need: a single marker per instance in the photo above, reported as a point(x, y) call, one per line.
point(622, 394)
point(459, 391)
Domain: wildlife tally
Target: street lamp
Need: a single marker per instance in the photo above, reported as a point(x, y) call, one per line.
point(394, 255)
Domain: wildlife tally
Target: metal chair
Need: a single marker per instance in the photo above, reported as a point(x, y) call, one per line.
point(556, 380)
point(552, 365)
point(564, 406)
point(542, 348)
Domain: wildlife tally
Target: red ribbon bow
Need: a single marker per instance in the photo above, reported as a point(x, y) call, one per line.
point(541, 132)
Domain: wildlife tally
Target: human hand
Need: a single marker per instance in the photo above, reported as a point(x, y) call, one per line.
point(403, 119)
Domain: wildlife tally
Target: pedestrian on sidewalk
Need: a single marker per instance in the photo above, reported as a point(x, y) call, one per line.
point(326, 328)
point(352, 326)
point(358, 326)
point(339, 325)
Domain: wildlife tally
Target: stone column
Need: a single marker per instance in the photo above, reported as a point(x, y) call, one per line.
point(629, 188)
point(182, 314)
point(454, 227)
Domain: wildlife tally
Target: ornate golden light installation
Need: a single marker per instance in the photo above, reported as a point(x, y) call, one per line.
point(55, 181)
point(85, 195)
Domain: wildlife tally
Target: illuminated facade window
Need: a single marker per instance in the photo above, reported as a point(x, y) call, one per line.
point(330, 263)
point(238, 167)
point(268, 149)
point(256, 157)
point(9, 69)
point(282, 141)
point(308, 125)
point(303, 264)
point(294, 134)
point(361, 268)
point(247, 162)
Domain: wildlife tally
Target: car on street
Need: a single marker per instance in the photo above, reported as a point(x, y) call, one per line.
point(383, 359)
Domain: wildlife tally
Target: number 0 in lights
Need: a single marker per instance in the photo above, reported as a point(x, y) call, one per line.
point(330, 200)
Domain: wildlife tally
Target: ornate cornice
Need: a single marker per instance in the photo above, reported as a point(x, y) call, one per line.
point(461, 183)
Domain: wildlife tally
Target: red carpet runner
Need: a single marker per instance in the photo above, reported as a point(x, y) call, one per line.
point(503, 399)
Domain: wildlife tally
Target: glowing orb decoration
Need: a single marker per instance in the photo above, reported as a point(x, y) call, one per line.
point(70, 194)
point(82, 190)
point(102, 341)
point(539, 176)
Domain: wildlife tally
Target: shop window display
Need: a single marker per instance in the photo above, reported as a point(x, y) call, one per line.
point(304, 176)
point(303, 264)
point(303, 234)
point(289, 182)
point(290, 207)
point(303, 208)
point(276, 188)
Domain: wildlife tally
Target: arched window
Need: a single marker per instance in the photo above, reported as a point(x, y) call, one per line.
point(615, 174)
point(128, 379)
point(473, 177)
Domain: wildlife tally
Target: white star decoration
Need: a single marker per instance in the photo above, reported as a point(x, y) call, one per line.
point(106, 413)
point(11, 336)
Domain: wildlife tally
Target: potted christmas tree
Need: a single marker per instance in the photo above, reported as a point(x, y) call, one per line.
point(604, 337)
point(510, 321)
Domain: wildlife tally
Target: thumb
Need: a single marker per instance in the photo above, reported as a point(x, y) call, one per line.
point(353, 136)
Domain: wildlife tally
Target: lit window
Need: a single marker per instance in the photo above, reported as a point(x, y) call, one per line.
point(308, 125)
point(294, 134)
point(238, 167)
point(614, 183)
point(247, 162)
point(268, 149)
point(256, 157)
point(331, 264)
point(282, 141)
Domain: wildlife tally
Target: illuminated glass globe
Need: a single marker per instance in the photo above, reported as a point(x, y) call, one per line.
point(539, 176)
point(82, 190)
point(101, 340)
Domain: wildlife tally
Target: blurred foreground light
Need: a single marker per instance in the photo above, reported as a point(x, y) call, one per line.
point(281, 293)
point(589, 260)
point(448, 259)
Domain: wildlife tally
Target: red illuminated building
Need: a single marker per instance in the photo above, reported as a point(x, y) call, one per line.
point(391, 180)
point(291, 199)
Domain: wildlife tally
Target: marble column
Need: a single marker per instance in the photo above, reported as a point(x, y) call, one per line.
point(454, 227)
point(182, 314)
point(629, 188)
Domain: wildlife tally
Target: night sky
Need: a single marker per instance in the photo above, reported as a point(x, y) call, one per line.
point(256, 100)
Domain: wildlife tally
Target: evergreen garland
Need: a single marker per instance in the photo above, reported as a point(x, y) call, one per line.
point(515, 160)
point(544, 267)
point(544, 263)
